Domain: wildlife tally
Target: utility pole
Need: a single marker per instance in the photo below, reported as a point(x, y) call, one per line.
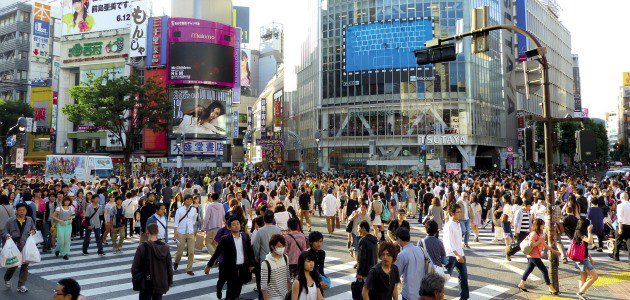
point(439, 52)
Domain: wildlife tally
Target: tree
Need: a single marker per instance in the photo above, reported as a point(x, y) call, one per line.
point(566, 138)
point(124, 106)
point(601, 139)
point(10, 111)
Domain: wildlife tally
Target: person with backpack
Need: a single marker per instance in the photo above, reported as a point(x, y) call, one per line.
point(357, 217)
point(306, 284)
point(582, 237)
point(538, 242)
point(152, 260)
point(274, 270)
point(410, 263)
point(376, 212)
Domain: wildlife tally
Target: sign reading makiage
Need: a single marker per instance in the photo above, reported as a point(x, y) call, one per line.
point(84, 16)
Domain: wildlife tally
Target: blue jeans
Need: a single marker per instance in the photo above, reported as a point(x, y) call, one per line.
point(97, 237)
point(451, 262)
point(465, 224)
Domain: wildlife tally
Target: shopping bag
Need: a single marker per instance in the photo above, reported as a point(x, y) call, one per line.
point(10, 256)
point(38, 237)
point(526, 246)
point(30, 253)
point(357, 290)
point(199, 239)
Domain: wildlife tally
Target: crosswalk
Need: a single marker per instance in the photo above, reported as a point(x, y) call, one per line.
point(109, 277)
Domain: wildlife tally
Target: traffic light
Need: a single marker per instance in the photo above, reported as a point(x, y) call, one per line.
point(480, 42)
point(422, 156)
point(585, 146)
point(435, 54)
point(530, 144)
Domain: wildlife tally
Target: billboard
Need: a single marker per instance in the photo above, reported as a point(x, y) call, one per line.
point(246, 73)
point(240, 19)
point(237, 69)
point(521, 21)
point(198, 110)
point(40, 45)
point(386, 45)
point(42, 101)
point(201, 52)
point(83, 16)
point(100, 49)
point(198, 147)
point(138, 33)
point(626, 78)
point(156, 47)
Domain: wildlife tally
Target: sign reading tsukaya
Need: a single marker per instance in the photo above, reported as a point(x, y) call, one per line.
point(447, 139)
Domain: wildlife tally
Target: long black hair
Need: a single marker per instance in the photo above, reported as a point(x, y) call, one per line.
point(301, 277)
point(581, 230)
point(86, 5)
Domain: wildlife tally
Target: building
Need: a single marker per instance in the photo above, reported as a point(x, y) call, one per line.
point(612, 128)
point(624, 110)
point(577, 85)
point(378, 112)
point(15, 34)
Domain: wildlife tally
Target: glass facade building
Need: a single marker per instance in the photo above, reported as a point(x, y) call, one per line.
point(377, 106)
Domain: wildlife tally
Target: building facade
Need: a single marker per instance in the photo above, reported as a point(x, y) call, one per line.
point(612, 128)
point(624, 110)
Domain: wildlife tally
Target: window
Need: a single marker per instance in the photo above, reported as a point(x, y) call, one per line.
point(39, 146)
point(25, 16)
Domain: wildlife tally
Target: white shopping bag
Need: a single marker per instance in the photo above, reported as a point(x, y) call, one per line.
point(39, 238)
point(30, 253)
point(10, 256)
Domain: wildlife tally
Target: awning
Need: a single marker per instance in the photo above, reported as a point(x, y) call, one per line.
point(84, 135)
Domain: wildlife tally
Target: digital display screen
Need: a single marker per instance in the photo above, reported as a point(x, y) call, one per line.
point(385, 45)
point(201, 63)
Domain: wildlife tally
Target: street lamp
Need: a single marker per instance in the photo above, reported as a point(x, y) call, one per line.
point(318, 136)
point(21, 124)
point(180, 144)
point(65, 147)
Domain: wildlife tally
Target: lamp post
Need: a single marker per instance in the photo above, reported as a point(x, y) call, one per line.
point(180, 141)
point(65, 147)
point(318, 136)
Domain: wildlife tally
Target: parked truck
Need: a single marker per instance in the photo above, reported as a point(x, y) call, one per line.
point(82, 167)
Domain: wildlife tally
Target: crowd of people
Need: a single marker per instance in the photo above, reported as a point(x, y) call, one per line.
point(258, 226)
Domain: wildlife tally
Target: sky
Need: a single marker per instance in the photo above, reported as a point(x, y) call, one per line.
point(596, 27)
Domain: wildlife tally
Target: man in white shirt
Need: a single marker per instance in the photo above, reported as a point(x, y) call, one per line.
point(160, 219)
point(330, 204)
point(130, 205)
point(454, 251)
point(623, 233)
point(185, 218)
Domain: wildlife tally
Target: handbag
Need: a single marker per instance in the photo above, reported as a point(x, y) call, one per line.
point(142, 280)
point(350, 226)
point(526, 246)
point(577, 252)
point(337, 222)
point(357, 289)
point(325, 279)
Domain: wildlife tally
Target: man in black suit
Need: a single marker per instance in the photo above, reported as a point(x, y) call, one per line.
point(238, 260)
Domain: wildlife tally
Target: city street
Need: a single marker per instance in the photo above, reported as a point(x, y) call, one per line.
point(490, 275)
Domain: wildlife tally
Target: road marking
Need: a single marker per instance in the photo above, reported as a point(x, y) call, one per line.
point(512, 268)
point(612, 279)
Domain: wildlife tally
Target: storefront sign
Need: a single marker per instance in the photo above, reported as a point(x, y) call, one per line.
point(263, 117)
point(270, 142)
point(40, 45)
point(250, 117)
point(447, 139)
point(138, 33)
point(235, 124)
point(19, 158)
point(277, 108)
point(198, 147)
point(95, 50)
point(156, 48)
point(237, 68)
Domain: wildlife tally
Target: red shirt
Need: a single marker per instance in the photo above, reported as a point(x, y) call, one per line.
point(536, 251)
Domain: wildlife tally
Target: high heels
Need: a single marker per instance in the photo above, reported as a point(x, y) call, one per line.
point(552, 291)
point(522, 288)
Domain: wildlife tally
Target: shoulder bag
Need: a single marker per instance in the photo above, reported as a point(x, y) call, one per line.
point(86, 222)
point(142, 280)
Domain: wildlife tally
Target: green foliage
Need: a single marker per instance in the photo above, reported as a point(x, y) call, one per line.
point(620, 153)
point(601, 139)
point(566, 138)
point(10, 111)
point(124, 105)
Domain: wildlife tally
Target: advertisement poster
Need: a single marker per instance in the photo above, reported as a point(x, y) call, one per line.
point(200, 111)
point(277, 108)
point(138, 33)
point(83, 16)
point(201, 52)
point(235, 124)
point(65, 167)
point(237, 69)
point(263, 117)
point(241, 20)
point(40, 46)
point(246, 73)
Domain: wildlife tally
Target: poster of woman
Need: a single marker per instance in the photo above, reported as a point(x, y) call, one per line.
point(77, 20)
point(201, 117)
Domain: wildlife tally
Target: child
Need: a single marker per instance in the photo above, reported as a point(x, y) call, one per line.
point(507, 233)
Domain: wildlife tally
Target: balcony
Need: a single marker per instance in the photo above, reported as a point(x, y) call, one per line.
point(15, 64)
point(19, 26)
point(14, 44)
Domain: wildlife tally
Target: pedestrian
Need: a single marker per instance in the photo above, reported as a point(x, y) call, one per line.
point(595, 214)
point(159, 218)
point(237, 263)
point(623, 232)
point(6, 212)
point(304, 202)
point(147, 210)
point(296, 244)
point(275, 281)
point(330, 205)
point(316, 245)
point(63, 216)
point(432, 244)
point(467, 214)
point(130, 204)
point(382, 280)
point(455, 257)
point(522, 224)
point(92, 213)
point(185, 219)
point(281, 216)
point(261, 244)
point(108, 217)
point(376, 209)
point(18, 229)
point(213, 221)
point(538, 243)
point(432, 287)
point(67, 289)
point(410, 265)
point(475, 220)
point(435, 213)
point(367, 252)
point(357, 217)
point(318, 196)
point(306, 285)
point(584, 234)
point(400, 222)
point(118, 225)
point(153, 259)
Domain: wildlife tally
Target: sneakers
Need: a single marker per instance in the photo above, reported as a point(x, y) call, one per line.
point(190, 273)
point(7, 284)
point(86, 253)
point(22, 289)
point(101, 253)
point(175, 265)
point(57, 253)
point(65, 257)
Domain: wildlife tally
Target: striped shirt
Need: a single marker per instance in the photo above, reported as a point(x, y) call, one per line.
point(525, 222)
point(276, 283)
